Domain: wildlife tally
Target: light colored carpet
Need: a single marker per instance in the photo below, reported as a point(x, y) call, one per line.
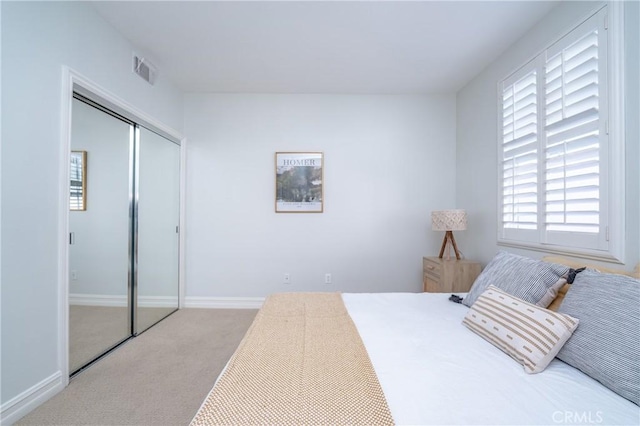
point(95, 329)
point(159, 378)
point(149, 316)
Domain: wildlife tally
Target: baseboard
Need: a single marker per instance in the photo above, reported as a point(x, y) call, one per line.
point(158, 301)
point(223, 302)
point(80, 299)
point(19, 406)
point(122, 301)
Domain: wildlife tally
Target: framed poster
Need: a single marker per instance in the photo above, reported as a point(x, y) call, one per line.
point(299, 182)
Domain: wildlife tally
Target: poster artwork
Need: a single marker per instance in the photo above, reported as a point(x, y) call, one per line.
point(299, 182)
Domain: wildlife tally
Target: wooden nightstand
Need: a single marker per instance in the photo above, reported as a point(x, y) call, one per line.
point(448, 276)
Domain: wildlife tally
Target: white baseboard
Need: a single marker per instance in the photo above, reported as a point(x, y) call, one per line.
point(80, 299)
point(158, 301)
point(223, 302)
point(120, 301)
point(20, 405)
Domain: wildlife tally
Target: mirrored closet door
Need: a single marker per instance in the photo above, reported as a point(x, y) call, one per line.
point(99, 254)
point(124, 199)
point(158, 216)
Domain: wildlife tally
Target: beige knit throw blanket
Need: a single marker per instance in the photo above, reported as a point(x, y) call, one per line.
point(301, 362)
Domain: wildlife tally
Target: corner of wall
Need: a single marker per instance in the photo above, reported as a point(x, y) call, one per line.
point(20, 405)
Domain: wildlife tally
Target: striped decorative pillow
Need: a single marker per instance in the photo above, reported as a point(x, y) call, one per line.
point(523, 277)
point(607, 344)
point(528, 333)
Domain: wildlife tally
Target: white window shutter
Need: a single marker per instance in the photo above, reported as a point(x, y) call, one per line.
point(573, 135)
point(519, 154)
point(554, 147)
point(76, 184)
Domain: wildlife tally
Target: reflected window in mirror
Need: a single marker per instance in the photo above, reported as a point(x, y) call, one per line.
point(78, 181)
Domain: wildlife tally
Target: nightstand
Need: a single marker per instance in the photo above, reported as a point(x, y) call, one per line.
point(448, 275)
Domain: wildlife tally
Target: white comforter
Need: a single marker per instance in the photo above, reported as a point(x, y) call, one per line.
point(433, 370)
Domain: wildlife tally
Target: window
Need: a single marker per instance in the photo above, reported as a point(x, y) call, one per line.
point(554, 146)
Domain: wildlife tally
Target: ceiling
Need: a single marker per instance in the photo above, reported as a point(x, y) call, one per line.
point(382, 47)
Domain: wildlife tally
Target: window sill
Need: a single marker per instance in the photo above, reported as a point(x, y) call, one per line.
point(566, 251)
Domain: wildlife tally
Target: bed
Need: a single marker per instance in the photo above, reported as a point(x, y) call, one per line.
point(438, 372)
point(434, 370)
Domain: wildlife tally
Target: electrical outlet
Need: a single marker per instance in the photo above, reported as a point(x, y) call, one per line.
point(287, 279)
point(74, 274)
point(327, 278)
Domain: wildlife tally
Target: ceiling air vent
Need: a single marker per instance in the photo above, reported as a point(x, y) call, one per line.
point(144, 69)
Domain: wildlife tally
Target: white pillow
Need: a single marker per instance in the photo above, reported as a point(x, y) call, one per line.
point(530, 334)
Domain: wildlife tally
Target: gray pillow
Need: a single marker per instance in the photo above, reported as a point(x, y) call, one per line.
point(522, 277)
point(606, 345)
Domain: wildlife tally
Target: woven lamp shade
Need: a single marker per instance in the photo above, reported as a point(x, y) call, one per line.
point(449, 220)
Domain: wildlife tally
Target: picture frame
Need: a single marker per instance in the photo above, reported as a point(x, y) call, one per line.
point(299, 182)
point(78, 181)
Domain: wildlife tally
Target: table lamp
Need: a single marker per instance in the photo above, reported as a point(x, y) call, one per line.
point(449, 221)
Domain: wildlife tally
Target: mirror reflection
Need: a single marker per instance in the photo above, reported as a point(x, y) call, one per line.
point(124, 250)
point(78, 181)
point(158, 210)
point(99, 313)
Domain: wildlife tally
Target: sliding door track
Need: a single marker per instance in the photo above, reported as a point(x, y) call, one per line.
point(104, 354)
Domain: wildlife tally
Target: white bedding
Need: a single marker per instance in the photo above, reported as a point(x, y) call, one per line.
point(433, 370)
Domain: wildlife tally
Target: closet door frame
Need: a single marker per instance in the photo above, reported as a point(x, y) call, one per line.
point(73, 81)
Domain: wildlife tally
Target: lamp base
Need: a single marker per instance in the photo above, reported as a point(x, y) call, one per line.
point(448, 237)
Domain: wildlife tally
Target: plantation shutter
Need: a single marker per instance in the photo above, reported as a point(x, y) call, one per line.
point(574, 132)
point(76, 184)
point(554, 145)
point(520, 153)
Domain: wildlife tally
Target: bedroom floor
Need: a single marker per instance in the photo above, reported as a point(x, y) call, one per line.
point(113, 325)
point(161, 377)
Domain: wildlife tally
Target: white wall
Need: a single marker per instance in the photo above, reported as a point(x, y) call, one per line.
point(477, 168)
point(37, 40)
point(389, 161)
